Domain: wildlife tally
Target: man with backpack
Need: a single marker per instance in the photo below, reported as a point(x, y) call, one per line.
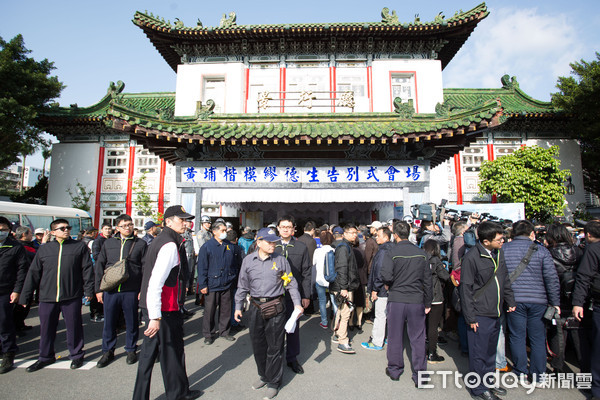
point(534, 282)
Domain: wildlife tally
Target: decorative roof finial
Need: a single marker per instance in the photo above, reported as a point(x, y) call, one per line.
point(388, 18)
point(228, 22)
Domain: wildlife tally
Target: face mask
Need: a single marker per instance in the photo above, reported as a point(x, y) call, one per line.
point(223, 236)
point(3, 236)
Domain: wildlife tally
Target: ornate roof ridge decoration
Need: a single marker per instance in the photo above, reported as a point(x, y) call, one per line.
point(229, 22)
point(231, 39)
point(514, 100)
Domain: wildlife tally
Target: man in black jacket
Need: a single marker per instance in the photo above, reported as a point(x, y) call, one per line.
point(97, 308)
point(346, 282)
point(484, 288)
point(405, 271)
point(125, 296)
point(13, 269)
point(63, 271)
point(588, 282)
point(298, 257)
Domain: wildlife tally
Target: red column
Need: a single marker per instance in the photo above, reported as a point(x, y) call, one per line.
point(99, 186)
point(332, 87)
point(458, 174)
point(490, 152)
point(128, 199)
point(247, 90)
point(161, 186)
point(370, 87)
point(282, 89)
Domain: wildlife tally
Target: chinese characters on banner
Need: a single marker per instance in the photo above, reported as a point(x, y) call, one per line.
point(271, 174)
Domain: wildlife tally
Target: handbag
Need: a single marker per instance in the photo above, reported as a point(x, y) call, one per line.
point(116, 274)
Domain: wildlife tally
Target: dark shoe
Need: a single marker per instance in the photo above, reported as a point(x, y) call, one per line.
point(499, 391)
point(192, 394)
point(187, 312)
point(132, 357)
point(106, 359)
point(209, 340)
point(229, 338)
point(197, 302)
point(36, 366)
point(270, 393)
point(258, 384)
point(345, 348)
point(387, 372)
point(8, 360)
point(487, 395)
point(442, 340)
point(359, 328)
point(77, 363)
point(296, 367)
point(434, 358)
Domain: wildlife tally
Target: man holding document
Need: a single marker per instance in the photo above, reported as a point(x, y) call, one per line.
point(266, 275)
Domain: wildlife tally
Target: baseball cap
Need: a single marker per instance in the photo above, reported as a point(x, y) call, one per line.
point(338, 231)
point(205, 218)
point(149, 224)
point(375, 224)
point(39, 230)
point(177, 211)
point(272, 225)
point(267, 234)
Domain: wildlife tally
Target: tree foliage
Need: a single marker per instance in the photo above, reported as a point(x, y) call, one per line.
point(80, 196)
point(26, 88)
point(531, 175)
point(36, 194)
point(579, 97)
point(143, 201)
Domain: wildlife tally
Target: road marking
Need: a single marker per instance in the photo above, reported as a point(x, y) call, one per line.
point(59, 364)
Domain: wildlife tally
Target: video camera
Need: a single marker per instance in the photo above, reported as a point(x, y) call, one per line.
point(433, 212)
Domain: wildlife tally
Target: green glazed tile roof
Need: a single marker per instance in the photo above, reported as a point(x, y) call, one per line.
point(229, 38)
point(154, 112)
point(513, 99)
point(148, 19)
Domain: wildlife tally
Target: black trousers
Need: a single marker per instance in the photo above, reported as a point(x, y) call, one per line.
point(267, 344)
point(167, 345)
point(433, 321)
point(222, 299)
point(292, 340)
point(482, 349)
point(8, 336)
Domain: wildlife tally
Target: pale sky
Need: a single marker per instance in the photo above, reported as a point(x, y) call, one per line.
point(94, 43)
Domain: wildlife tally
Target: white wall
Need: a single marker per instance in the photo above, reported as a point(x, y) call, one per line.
point(190, 79)
point(439, 183)
point(72, 163)
point(428, 83)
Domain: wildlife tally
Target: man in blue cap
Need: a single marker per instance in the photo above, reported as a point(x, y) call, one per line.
point(266, 275)
point(151, 232)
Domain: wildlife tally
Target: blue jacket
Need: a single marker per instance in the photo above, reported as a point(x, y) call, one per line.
point(538, 284)
point(218, 265)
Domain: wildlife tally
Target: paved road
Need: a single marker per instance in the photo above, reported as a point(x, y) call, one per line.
point(226, 370)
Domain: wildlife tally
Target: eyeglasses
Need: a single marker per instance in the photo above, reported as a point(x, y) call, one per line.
point(125, 226)
point(63, 228)
point(287, 228)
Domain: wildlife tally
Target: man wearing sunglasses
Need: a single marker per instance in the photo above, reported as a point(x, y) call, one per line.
point(63, 271)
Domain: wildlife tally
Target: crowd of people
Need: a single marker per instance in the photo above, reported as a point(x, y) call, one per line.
point(475, 282)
